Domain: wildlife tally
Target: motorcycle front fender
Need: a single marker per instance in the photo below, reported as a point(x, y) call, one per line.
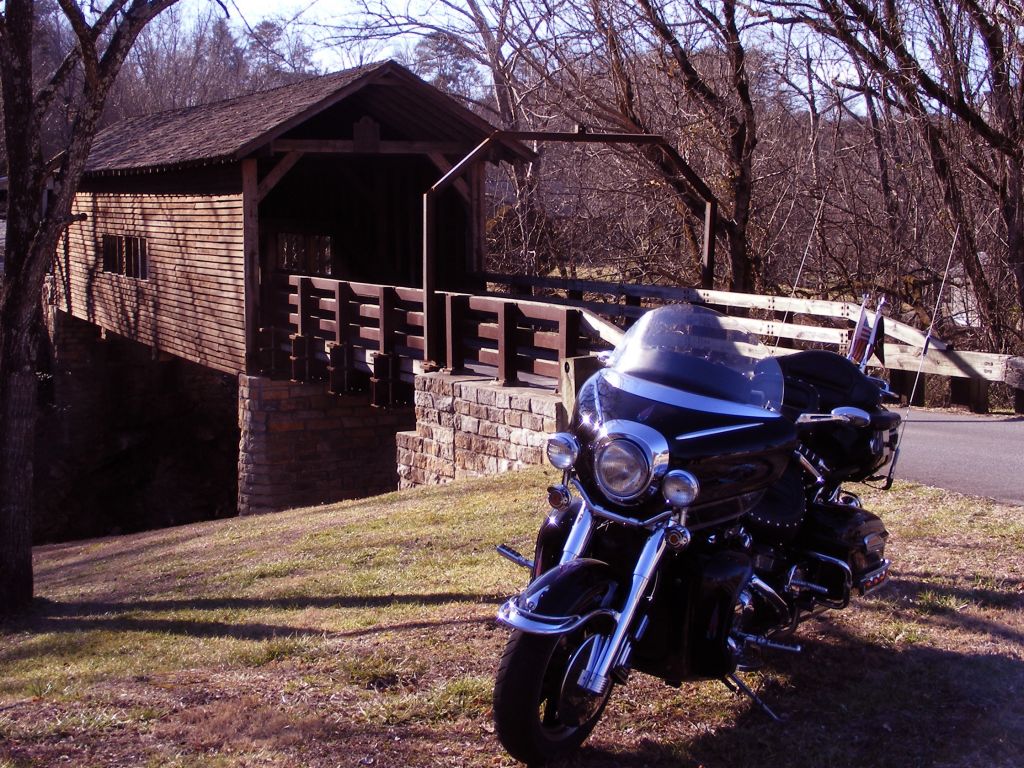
point(545, 607)
point(552, 536)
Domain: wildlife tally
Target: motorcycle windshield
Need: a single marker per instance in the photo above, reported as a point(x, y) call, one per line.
point(697, 350)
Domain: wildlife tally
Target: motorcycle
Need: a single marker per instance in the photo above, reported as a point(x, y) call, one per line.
point(701, 517)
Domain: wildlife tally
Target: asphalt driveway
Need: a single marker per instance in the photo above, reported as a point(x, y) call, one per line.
point(976, 455)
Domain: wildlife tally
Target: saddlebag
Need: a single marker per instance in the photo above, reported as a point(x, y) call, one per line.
point(848, 534)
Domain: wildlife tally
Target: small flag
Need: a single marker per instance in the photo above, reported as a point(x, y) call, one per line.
point(868, 338)
point(861, 335)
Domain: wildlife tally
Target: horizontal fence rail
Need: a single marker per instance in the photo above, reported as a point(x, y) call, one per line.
point(903, 350)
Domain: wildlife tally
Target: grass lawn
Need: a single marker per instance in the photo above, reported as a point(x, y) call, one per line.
point(362, 634)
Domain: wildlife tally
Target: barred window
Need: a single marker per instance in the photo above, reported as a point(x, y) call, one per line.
point(125, 255)
point(304, 253)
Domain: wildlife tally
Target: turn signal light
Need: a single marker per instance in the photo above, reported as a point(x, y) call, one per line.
point(559, 497)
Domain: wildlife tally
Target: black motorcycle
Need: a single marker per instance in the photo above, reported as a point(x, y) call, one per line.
point(699, 520)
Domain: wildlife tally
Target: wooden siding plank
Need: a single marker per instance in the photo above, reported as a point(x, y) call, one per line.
point(221, 281)
point(192, 305)
point(118, 306)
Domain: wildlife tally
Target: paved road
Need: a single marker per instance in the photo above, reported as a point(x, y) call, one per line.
point(976, 455)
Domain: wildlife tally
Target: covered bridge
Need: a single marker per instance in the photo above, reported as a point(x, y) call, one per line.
point(212, 234)
point(190, 218)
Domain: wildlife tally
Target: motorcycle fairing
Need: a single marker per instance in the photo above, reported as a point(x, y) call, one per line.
point(734, 449)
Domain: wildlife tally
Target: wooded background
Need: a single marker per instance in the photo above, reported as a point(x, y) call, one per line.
point(854, 147)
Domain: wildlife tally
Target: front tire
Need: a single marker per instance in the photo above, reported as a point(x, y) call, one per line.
point(540, 712)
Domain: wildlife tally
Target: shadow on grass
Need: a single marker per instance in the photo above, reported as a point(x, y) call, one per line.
point(74, 557)
point(854, 704)
point(934, 611)
point(50, 616)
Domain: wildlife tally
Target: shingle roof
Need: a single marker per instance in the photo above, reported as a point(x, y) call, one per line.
point(228, 130)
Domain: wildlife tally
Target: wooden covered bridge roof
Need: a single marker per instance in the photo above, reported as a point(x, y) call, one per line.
point(227, 131)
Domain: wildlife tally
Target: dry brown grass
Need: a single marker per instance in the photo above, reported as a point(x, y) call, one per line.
point(362, 634)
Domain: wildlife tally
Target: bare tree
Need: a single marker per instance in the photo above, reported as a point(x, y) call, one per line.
point(102, 37)
point(955, 71)
point(180, 61)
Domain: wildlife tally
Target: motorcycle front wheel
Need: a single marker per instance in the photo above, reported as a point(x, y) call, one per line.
point(540, 711)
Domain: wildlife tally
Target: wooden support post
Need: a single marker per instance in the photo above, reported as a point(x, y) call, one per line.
point(342, 313)
point(568, 334)
point(340, 365)
point(300, 357)
point(300, 352)
point(304, 290)
point(265, 347)
point(432, 340)
point(970, 392)
point(381, 381)
point(507, 373)
point(1015, 378)
point(386, 300)
point(902, 383)
point(455, 308)
point(844, 346)
point(478, 219)
point(338, 369)
point(251, 258)
point(575, 371)
point(707, 262)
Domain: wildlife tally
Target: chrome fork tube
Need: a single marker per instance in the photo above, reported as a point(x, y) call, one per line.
point(595, 677)
point(579, 536)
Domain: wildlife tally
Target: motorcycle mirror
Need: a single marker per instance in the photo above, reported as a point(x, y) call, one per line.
point(858, 417)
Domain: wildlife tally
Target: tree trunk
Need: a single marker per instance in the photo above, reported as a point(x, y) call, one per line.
point(32, 235)
point(17, 450)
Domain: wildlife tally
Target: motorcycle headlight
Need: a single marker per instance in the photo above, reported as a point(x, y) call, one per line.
point(622, 469)
point(562, 450)
point(680, 488)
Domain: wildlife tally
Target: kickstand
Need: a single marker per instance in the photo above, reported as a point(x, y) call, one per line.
point(734, 684)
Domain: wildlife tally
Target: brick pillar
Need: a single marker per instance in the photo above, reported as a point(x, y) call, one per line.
point(301, 446)
point(501, 428)
point(427, 456)
point(470, 426)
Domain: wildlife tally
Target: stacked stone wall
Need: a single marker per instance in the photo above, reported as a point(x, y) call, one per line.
point(470, 426)
point(302, 446)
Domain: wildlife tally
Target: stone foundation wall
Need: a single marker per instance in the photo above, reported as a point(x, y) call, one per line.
point(470, 426)
point(301, 446)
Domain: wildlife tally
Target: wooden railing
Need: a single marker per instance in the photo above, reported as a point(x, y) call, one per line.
point(904, 348)
point(353, 334)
